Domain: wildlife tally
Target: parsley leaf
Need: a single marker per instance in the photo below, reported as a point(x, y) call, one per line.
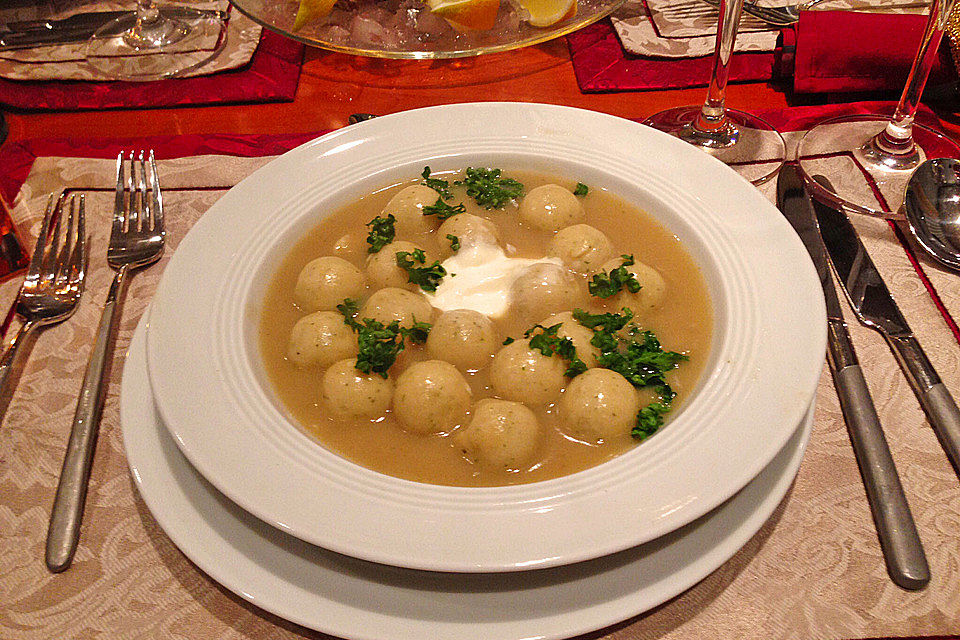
point(418, 333)
point(426, 277)
point(488, 188)
point(440, 186)
point(546, 340)
point(381, 233)
point(442, 210)
point(350, 307)
point(606, 285)
point(608, 322)
point(508, 341)
point(581, 190)
point(454, 243)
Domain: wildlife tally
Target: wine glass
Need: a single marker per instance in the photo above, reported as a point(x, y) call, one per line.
point(156, 42)
point(869, 158)
point(743, 141)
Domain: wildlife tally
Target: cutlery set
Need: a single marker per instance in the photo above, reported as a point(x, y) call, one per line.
point(51, 293)
point(831, 238)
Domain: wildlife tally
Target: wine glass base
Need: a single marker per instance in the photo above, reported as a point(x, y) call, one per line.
point(865, 179)
point(744, 142)
point(179, 41)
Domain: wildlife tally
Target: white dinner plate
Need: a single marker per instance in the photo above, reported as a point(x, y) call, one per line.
point(352, 598)
point(768, 343)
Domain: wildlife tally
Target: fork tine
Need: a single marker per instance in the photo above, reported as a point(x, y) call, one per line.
point(118, 207)
point(143, 203)
point(156, 205)
point(133, 207)
point(62, 256)
point(78, 256)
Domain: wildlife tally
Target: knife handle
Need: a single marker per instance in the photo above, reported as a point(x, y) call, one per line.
point(937, 403)
point(899, 540)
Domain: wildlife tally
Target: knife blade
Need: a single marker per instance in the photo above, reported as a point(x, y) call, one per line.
point(96, 19)
point(80, 30)
point(876, 308)
point(899, 540)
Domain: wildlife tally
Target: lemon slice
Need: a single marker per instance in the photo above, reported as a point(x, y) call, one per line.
point(467, 15)
point(544, 13)
point(311, 10)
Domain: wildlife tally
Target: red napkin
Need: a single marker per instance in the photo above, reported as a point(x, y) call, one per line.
point(271, 76)
point(841, 51)
point(601, 64)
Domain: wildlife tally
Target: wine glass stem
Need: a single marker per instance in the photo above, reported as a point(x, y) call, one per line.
point(712, 115)
point(897, 137)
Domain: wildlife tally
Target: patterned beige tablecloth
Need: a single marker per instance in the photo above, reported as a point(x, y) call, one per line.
point(813, 571)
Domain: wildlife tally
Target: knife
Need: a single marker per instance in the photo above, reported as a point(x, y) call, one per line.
point(96, 19)
point(902, 550)
point(875, 307)
point(79, 31)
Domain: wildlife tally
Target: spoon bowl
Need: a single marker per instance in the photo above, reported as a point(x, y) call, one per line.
point(932, 205)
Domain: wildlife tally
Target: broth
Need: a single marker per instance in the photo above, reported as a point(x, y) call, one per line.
point(683, 322)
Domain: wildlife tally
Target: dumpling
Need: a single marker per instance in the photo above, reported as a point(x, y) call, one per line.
point(349, 393)
point(579, 335)
point(545, 288)
point(469, 229)
point(525, 375)
point(387, 305)
point(581, 247)
point(431, 397)
point(383, 271)
point(465, 338)
point(324, 283)
point(551, 207)
point(500, 434)
point(320, 339)
point(407, 207)
point(653, 287)
point(599, 405)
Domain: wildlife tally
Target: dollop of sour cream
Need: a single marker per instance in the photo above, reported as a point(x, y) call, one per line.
point(483, 281)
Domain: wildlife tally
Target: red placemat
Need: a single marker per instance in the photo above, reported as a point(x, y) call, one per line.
point(601, 64)
point(270, 76)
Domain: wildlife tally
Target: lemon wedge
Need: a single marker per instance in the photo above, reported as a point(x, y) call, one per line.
point(467, 15)
point(544, 13)
point(311, 10)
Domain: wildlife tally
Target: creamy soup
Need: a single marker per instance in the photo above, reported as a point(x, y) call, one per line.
point(530, 330)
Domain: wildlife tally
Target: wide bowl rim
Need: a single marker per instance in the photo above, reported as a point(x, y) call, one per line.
point(205, 393)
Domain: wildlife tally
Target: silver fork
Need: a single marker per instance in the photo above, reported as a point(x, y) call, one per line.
point(54, 282)
point(136, 240)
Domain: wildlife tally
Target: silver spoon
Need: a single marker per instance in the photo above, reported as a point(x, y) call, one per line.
point(932, 205)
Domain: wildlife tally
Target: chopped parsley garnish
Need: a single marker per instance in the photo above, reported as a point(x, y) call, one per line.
point(380, 344)
point(381, 233)
point(442, 210)
point(606, 285)
point(546, 341)
point(440, 186)
point(488, 188)
point(581, 190)
point(426, 277)
point(454, 243)
point(637, 355)
point(508, 341)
